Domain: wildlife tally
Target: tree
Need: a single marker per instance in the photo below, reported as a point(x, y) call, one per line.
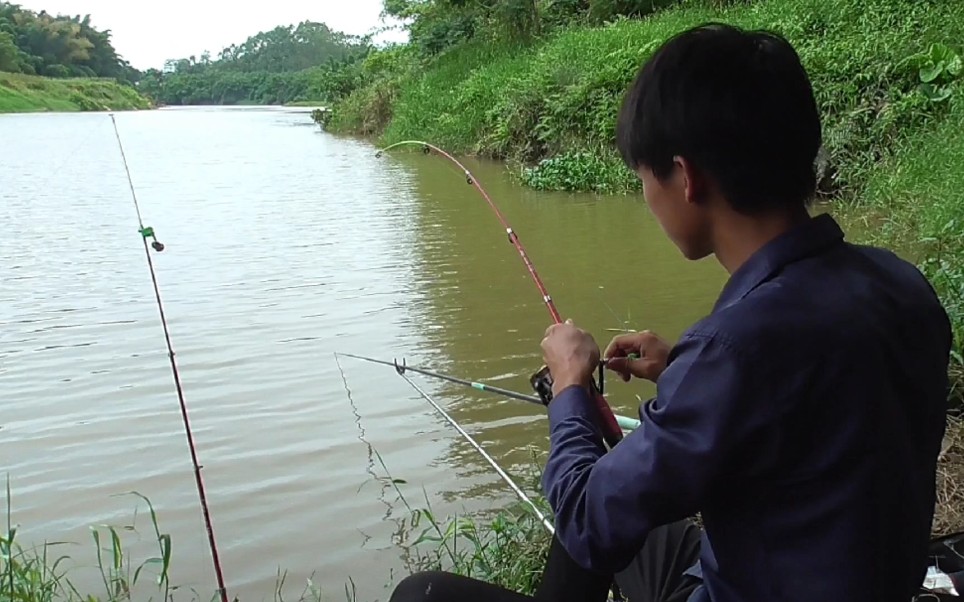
point(287, 63)
point(9, 53)
point(57, 46)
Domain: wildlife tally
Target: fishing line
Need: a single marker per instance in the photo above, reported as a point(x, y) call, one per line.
point(505, 477)
point(147, 232)
point(362, 437)
point(614, 594)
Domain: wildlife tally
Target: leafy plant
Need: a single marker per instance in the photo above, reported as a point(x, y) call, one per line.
point(939, 67)
point(603, 173)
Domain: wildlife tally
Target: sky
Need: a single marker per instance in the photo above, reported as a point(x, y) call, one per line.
point(148, 33)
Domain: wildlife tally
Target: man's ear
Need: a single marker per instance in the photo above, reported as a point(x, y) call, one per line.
point(695, 184)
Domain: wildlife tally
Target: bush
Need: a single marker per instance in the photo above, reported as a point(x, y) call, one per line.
point(368, 108)
point(562, 96)
point(603, 173)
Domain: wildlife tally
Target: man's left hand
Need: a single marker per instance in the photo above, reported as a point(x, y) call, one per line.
point(571, 354)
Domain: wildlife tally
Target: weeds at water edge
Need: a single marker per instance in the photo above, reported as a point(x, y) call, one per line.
point(37, 574)
point(508, 549)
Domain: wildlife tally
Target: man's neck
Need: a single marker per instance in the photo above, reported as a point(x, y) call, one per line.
point(737, 237)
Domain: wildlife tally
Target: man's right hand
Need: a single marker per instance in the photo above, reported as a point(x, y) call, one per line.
point(649, 350)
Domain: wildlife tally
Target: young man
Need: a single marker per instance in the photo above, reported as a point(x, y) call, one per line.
point(803, 417)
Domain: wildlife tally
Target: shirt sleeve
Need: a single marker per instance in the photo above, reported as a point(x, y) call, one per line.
point(605, 504)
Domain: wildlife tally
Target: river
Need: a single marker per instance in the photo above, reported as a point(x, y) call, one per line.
point(284, 245)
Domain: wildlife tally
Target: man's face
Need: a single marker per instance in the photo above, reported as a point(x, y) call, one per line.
point(682, 219)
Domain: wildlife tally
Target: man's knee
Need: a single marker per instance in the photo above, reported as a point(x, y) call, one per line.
point(417, 587)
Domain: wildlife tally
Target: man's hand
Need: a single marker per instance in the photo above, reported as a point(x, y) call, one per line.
point(651, 353)
point(571, 354)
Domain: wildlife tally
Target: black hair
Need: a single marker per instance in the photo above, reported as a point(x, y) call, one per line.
point(738, 105)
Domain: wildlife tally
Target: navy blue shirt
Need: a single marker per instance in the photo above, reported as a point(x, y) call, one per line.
point(803, 418)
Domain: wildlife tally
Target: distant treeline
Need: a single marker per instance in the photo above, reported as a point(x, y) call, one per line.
point(57, 46)
point(304, 62)
point(286, 64)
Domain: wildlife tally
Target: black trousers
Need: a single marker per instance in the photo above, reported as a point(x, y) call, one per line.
point(655, 575)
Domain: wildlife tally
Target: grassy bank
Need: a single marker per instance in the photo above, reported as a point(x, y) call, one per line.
point(27, 93)
point(45, 572)
point(552, 104)
point(887, 75)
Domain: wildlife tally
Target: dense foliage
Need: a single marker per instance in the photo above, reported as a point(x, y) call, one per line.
point(286, 64)
point(435, 25)
point(57, 46)
point(555, 99)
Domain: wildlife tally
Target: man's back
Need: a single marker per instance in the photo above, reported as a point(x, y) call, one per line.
point(832, 499)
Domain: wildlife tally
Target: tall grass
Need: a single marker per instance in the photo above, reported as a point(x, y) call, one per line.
point(507, 547)
point(41, 573)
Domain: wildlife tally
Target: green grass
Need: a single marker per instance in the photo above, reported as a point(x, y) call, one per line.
point(559, 97)
point(507, 547)
point(26, 93)
point(39, 573)
point(42, 573)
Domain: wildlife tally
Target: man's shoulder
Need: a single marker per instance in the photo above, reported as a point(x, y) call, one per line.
point(846, 295)
point(904, 281)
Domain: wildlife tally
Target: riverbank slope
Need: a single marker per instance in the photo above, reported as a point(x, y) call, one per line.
point(27, 93)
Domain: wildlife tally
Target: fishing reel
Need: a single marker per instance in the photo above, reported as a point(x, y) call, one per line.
point(541, 382)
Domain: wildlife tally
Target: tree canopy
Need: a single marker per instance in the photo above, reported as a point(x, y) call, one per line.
point(307, 61)
point(435, 25)
point(57, 46)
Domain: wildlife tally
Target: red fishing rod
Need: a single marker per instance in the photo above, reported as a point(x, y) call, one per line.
point(610, 427)
point(148, 233)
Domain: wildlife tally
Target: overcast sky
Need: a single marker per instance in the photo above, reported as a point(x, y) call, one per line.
point(148, 33)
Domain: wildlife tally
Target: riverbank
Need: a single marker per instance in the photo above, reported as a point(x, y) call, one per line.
point(549, 106)
point(28, 93)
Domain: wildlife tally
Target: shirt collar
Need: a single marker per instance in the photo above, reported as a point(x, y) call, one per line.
point(808, 239)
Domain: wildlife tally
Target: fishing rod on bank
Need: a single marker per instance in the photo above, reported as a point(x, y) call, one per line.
point(148, 233)
point(541, 380)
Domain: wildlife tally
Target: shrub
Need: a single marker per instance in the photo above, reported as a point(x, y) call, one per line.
point(561, 97)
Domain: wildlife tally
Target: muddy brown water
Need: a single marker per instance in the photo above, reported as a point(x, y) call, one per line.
point(284, 245)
